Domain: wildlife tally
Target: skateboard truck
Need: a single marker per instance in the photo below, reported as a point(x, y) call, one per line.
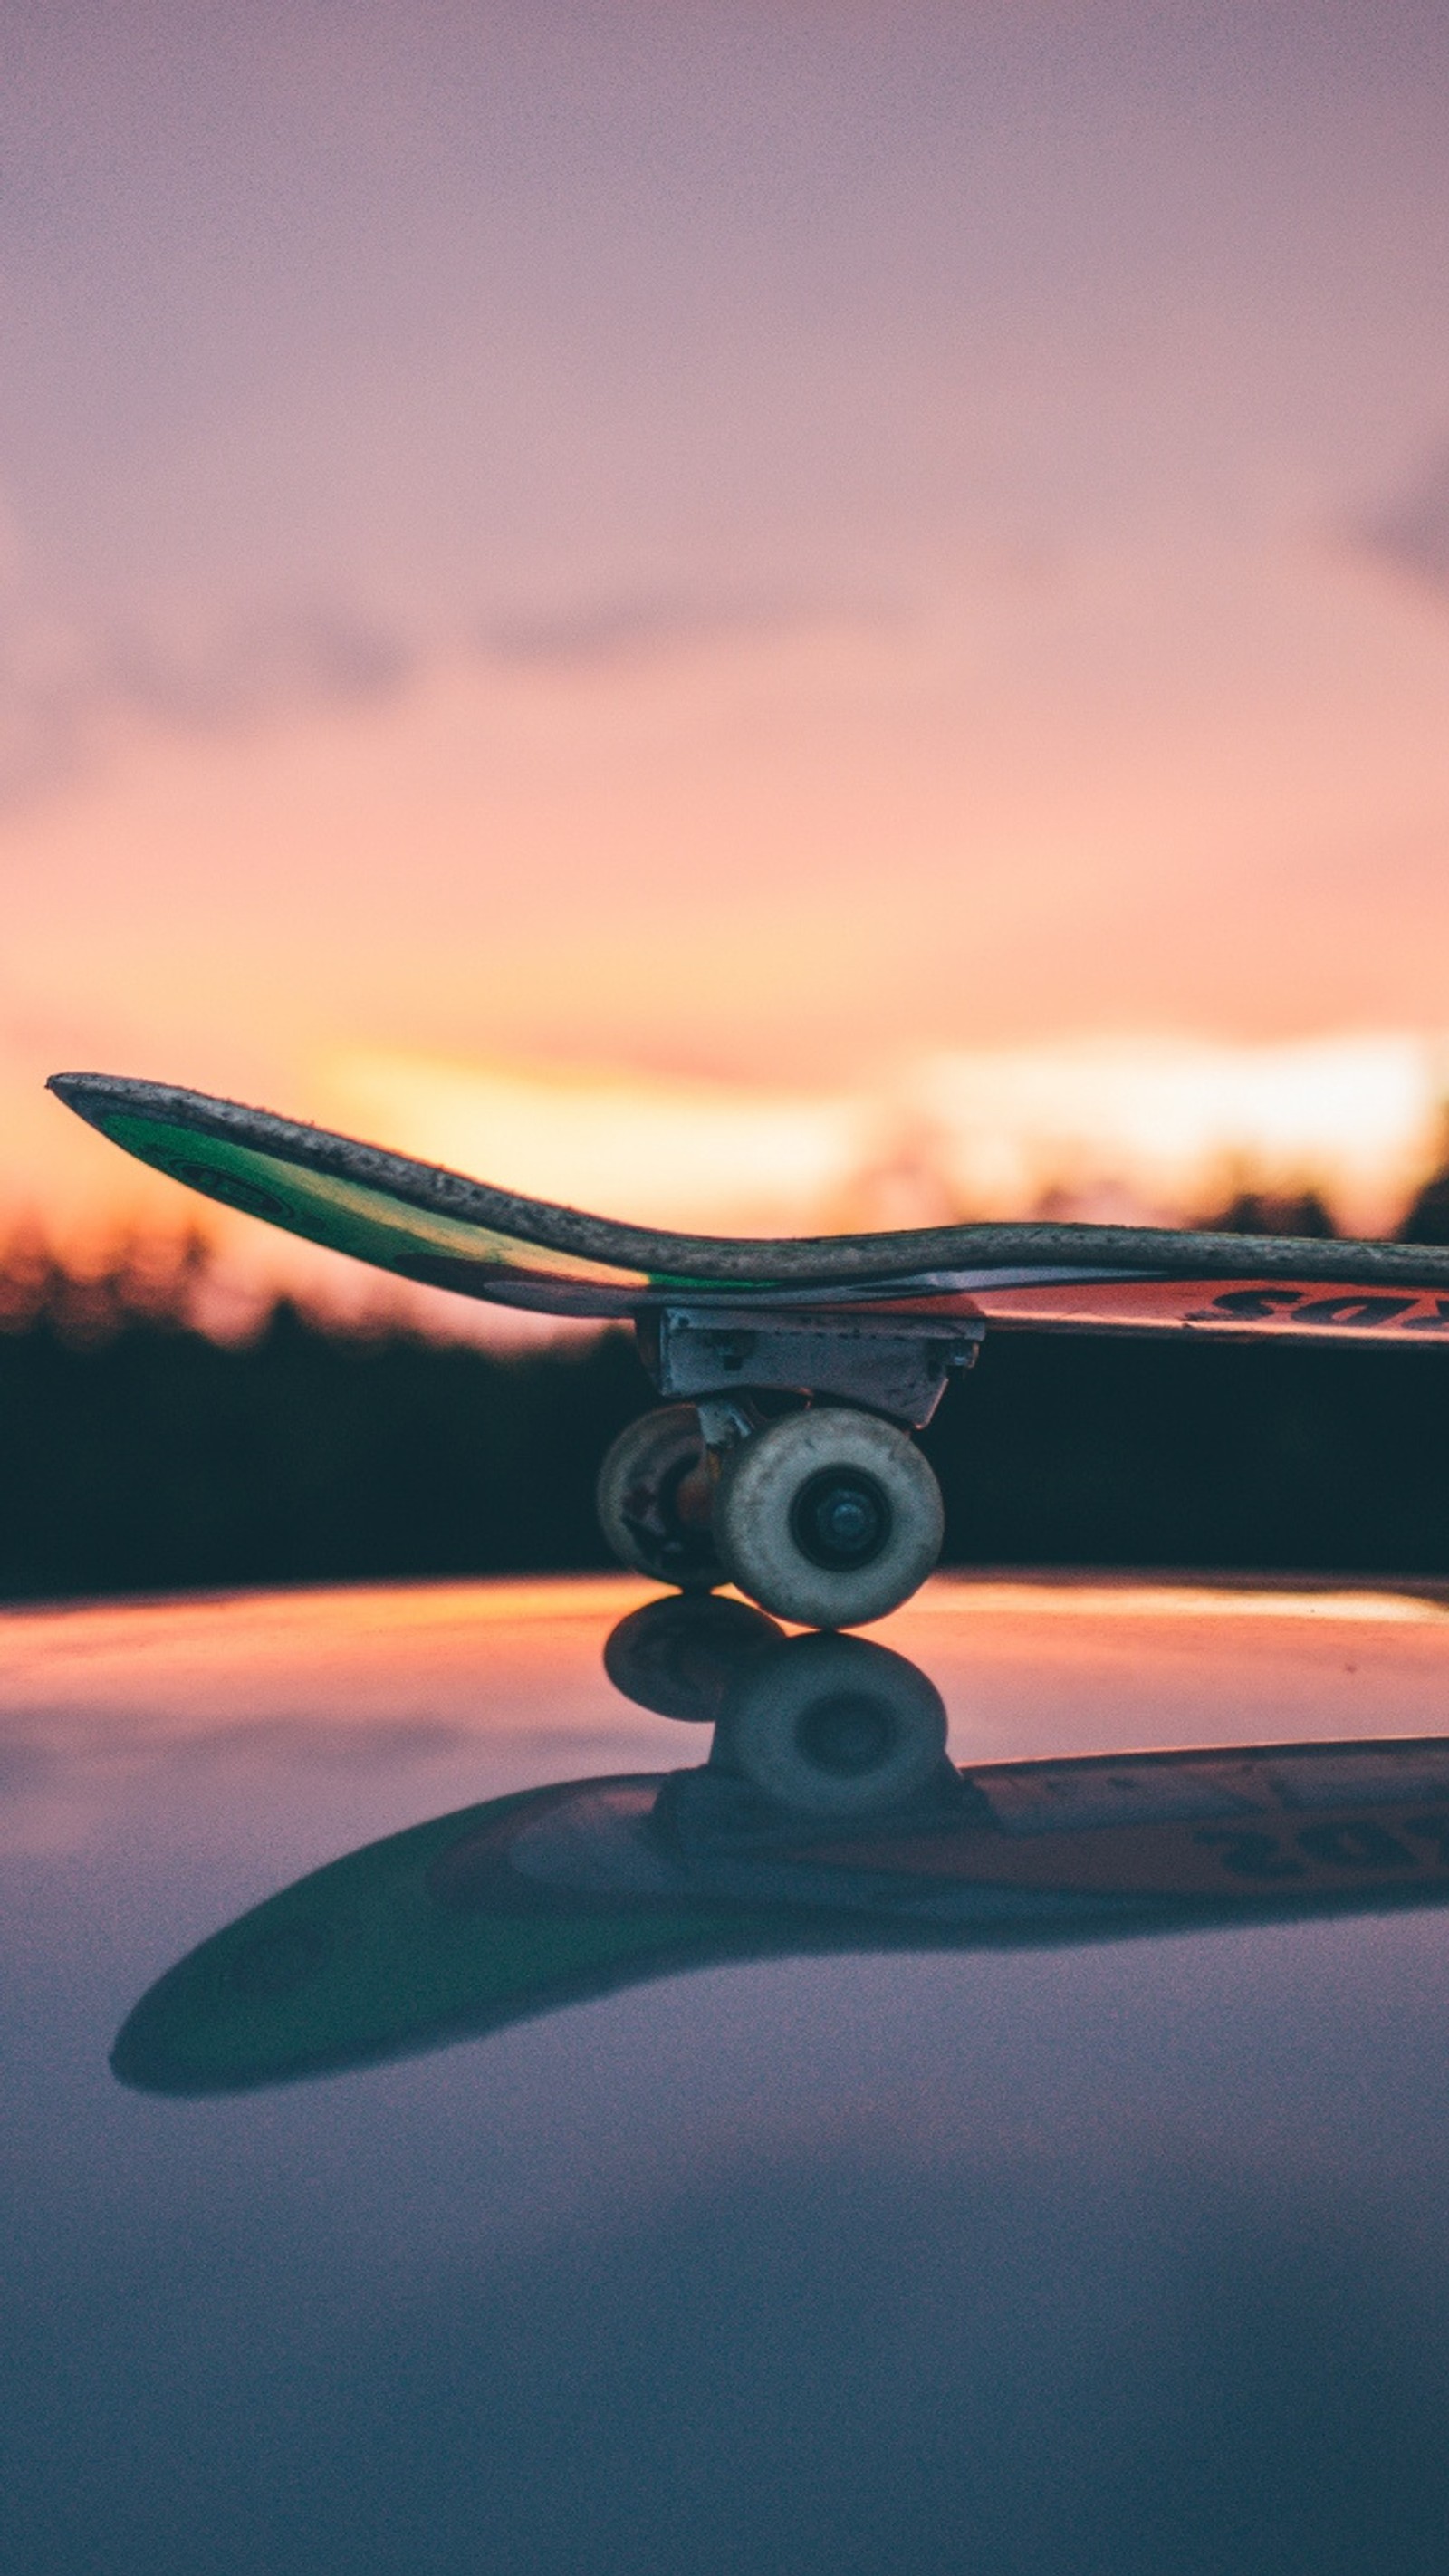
point(828, 1514)
point(878, 1361)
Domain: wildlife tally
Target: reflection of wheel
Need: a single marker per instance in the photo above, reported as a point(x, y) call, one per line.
point(829, 1516)
point(654, 1497)
point(681, 1658)
point(833, 1726)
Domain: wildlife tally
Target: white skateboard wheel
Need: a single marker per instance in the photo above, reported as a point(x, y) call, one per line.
point(830, 1517)
point(654, 1499)
point(833, 1726)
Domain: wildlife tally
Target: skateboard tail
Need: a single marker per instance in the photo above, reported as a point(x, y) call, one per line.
point(353, 1212)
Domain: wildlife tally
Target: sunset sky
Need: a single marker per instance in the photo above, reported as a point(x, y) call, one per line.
point(754, 561)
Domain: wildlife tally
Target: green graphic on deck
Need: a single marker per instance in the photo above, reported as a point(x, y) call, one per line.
point(347, 1216)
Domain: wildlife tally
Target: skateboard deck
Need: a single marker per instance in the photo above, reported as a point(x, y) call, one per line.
point(439, 1227)
point(556, 1895)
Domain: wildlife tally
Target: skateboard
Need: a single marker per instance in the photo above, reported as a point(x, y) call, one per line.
point(793, 1370)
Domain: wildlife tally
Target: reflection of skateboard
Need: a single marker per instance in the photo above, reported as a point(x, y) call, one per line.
point(826, 1513)
point(483, 1918)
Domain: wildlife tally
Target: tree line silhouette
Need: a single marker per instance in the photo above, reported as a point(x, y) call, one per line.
point(137, 1453)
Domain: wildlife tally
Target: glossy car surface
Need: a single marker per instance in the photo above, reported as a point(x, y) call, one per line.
point(758, 2147)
